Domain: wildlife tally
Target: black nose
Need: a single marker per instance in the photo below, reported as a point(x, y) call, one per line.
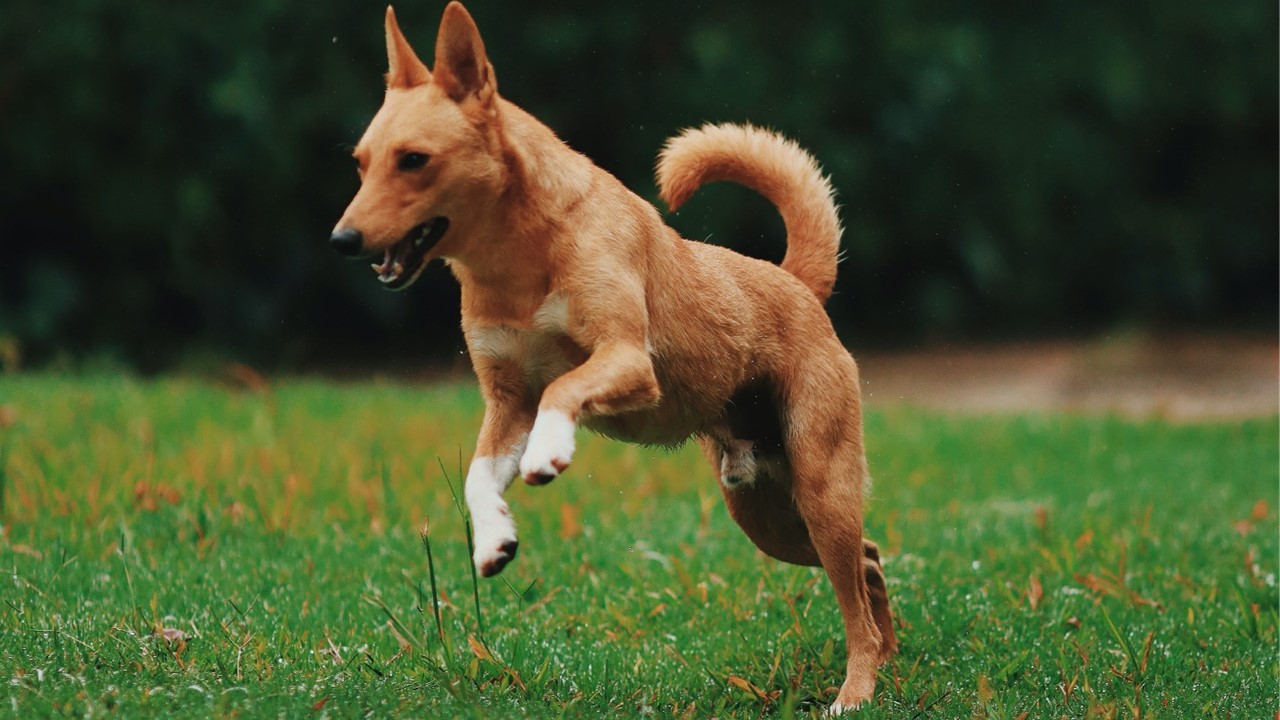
point(347, 241)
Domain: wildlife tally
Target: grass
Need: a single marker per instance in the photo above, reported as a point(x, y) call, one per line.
point(177, 549)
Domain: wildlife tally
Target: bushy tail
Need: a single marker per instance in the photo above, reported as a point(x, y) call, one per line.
point(773, 166)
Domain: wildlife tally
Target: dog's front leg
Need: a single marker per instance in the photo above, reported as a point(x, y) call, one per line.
point(508, 417)
point(616, 378)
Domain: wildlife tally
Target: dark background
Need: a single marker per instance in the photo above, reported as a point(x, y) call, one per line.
point(169, 172)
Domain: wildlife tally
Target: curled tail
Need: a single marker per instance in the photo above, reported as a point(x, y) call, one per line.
point(773, 166)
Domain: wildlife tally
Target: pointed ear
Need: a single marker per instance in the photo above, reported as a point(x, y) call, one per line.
point(462, 68)
point(405, 70)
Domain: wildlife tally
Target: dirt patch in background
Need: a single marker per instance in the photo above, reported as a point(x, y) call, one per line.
point(1178, 377)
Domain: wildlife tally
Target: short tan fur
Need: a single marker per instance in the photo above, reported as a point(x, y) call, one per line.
point(582, 308)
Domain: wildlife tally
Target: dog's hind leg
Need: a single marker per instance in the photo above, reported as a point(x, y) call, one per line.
point(763, 507)
point(878, 591)
point(766, 511)
point(508, 417)
point(828, 473)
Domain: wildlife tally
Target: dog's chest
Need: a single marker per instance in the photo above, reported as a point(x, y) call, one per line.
point(544, 349)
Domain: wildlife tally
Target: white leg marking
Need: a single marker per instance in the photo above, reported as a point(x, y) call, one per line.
point(494, 529)
point(738, 464)
point(550, 447)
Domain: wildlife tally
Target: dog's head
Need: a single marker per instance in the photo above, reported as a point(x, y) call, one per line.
point(429, 158)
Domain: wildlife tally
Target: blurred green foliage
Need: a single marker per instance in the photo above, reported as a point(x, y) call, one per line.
point(171, 170)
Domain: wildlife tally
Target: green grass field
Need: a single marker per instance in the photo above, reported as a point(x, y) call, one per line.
point(1039, 567)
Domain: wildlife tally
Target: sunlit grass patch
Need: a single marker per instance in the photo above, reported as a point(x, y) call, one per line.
point(175, 548)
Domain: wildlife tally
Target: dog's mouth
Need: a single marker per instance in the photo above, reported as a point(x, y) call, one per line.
point(403, 262)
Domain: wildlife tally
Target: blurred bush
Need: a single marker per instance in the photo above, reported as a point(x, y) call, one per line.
point(171, 170)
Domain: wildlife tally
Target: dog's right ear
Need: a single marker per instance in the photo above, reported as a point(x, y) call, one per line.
point(405, 70)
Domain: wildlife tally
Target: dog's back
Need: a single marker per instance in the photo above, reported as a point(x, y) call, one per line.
point(719, 320)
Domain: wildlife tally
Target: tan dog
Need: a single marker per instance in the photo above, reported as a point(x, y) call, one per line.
point(581, 307)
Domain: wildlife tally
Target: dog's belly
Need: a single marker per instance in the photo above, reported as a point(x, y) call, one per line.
point(665, 424)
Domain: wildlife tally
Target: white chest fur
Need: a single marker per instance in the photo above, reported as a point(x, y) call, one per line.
point(539, 348)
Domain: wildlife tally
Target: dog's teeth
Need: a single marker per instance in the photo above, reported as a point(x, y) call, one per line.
point(422, 234)
point(397, 268)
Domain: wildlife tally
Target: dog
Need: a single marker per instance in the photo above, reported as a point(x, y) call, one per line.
point(581, 307)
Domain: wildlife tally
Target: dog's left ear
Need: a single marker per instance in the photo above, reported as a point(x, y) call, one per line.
point(462, 68)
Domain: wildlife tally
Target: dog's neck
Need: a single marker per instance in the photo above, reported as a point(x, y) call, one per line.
point(544, 181)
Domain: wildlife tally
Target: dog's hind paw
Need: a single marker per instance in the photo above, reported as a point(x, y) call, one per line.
point(838, 709)
point(550, 448)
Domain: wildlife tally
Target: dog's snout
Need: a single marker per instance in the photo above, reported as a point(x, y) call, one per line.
point(347, 241)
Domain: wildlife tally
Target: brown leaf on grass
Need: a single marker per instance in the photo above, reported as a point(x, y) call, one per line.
point(479, 649)
point(27, 550)
point(1114, 588)
point(1042, 518)
point(1146, 650)
point(749, 687)
point(143, 498)
point(1035, 592)
point(985, 693)
point(400, 638)
point(1085, 538)
point(1256, 515)
point(148, 496)
point(8, 416)
point(661, 606)
point(320, 704)
point(1096, 584)
point(570, 525)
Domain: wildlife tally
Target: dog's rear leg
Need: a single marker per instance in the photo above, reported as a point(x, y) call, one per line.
point(766, 511)
point(831, 505)
point(828, 475)
point(508, 417)
point(878, 592)
point(763, 508)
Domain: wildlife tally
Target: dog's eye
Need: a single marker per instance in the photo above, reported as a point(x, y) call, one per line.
point(412, 161)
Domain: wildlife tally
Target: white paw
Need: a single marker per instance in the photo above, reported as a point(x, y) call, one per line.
point(495, 544)
point(550, 447)
point(494, 532)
